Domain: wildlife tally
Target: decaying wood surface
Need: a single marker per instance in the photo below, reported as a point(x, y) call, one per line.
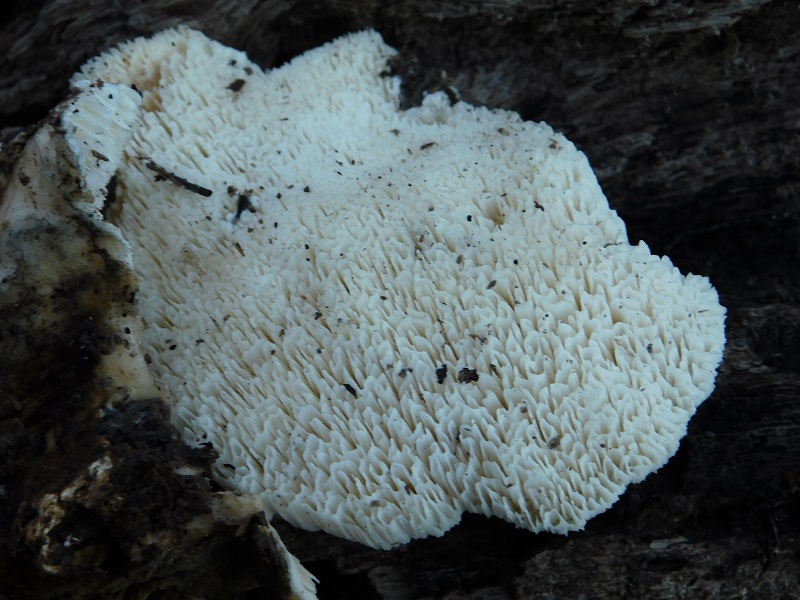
point(689, 113)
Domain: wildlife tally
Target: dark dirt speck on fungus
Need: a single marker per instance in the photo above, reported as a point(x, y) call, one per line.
point(164, 174)
point(242, 204)
point(467, 375)
point(236, 85)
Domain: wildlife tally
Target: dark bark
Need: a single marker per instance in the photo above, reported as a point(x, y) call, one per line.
point(689, 114)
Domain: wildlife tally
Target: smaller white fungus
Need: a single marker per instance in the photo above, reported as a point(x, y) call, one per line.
point(383, 319)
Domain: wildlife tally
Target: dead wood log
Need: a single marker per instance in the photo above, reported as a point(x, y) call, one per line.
point(689, 114)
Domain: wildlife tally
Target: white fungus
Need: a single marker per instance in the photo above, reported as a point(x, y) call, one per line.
point(383, 319)
point(61, 262)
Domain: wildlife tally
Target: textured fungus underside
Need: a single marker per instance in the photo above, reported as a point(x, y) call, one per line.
point(94, 482)
point(383, 319)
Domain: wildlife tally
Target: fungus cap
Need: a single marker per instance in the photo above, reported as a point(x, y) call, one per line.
point(383, 319)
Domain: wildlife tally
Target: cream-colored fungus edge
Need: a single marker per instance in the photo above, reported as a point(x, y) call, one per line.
point(383, 319)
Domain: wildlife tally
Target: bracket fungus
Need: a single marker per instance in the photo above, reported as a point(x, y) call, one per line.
point(81, 412)
point(384, 318)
